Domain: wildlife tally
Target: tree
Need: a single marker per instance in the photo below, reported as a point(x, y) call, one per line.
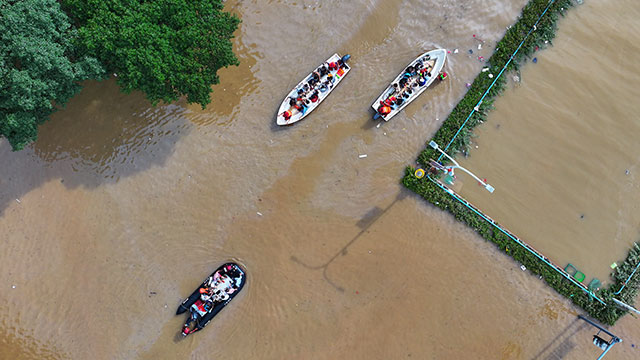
point(165, 48)
point(39, 69)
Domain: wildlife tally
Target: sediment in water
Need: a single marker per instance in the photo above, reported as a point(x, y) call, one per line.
point(534, 29)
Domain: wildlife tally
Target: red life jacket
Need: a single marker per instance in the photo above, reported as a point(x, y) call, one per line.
point(390, 101)
point(287, 115)
point(333, 66)
point(384, 110)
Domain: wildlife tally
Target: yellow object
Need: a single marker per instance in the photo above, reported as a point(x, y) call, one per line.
point(419, 173)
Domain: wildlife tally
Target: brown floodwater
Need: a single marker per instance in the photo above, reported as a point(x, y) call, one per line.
point(120, 209)
point(561, 146)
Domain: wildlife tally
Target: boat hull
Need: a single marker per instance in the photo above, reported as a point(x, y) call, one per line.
point(438, 56)
point(296, 116)
point(203, 320)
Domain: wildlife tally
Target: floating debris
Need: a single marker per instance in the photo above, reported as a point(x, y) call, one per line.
point(362, 156)
point(477, 38)
point(523, 267)
point(259, 213)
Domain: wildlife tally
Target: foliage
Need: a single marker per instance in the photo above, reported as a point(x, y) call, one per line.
point(544, 33)
point(165, 48)
point(38, 66)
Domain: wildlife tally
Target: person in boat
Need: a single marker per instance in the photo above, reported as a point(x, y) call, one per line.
point(333, 66)
point(393, 90)
point(314, 97)
point(323, 70)
point(330, 78)
point(422, 81)
point(384, 110)
point(300, 106)
point(206, 293)
point(327, 84)
point(286, 115)
point(389, 101)
point(410, 71)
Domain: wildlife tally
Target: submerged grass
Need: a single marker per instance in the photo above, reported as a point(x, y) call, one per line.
point(541, 37)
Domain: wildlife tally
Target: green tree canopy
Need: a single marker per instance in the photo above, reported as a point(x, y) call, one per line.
point(165, 48)
point(38, 66)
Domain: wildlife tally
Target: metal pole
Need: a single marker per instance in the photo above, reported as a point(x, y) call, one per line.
point(614, 339)
point(609, 347)
point(486, 186)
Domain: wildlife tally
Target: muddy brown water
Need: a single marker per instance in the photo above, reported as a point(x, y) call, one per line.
point(561, 146)
point(120, 209)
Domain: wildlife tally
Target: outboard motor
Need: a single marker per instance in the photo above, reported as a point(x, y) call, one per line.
point(346, 58)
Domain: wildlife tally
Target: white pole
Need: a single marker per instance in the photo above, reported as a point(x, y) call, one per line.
point(486, 186)
point(625, 306)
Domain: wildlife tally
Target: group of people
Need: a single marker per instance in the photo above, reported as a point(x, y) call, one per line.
point(414, 77)
point(320, 81)
point(217, 289)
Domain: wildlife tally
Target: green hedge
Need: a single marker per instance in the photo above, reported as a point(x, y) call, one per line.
point(541, 37)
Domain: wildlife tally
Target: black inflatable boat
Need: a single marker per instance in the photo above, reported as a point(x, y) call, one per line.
point(211, 296)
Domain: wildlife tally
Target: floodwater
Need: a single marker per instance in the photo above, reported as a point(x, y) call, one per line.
point(120, 210)
point(561, 146)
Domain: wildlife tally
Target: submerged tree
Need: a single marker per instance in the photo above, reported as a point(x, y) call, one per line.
point(38, 66)
point(165, 48)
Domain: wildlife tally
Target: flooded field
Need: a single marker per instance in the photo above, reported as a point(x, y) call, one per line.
point(120, 209)
point(561, 147)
